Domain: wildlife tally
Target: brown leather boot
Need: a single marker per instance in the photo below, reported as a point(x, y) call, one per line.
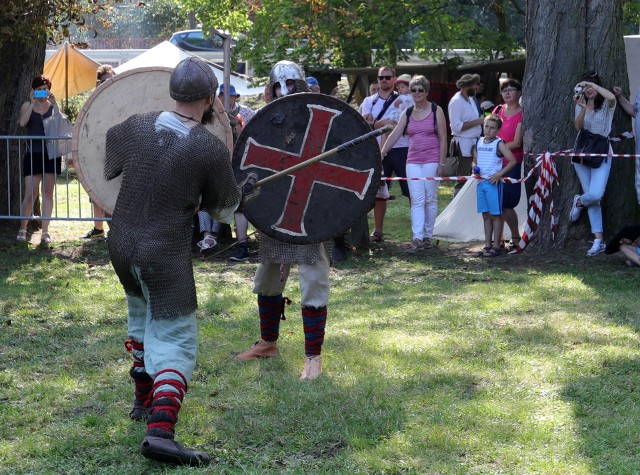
point(260, 349)
point(312, 367)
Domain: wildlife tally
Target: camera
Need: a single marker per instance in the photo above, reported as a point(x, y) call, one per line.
point(40, 93)
point(578, 90)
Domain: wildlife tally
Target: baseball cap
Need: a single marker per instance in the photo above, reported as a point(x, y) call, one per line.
point(487, 105)
point(232, 90)
point(311, 81)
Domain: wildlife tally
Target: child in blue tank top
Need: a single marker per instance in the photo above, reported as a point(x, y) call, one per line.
point(487, 157)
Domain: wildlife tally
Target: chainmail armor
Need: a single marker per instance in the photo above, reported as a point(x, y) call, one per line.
point(274, 251)
point(163, 178)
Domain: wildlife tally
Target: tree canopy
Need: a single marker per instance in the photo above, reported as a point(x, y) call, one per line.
point(343, 33)
point(39, 21)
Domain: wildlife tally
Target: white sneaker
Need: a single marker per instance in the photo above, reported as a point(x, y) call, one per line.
point(574, 214)
point(209, 242)
point(597, 248)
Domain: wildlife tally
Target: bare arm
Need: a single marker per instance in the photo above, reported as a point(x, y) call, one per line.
point(395, 135)
point(516, 143)
point(608, 95)
point(473, 123)
point(624, 102)
point(25, 113)
point(511, 162)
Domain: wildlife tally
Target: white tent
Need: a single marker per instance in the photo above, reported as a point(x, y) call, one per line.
point(460, 221)
point(169, 55)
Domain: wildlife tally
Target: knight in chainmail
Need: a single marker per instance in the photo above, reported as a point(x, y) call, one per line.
point(169, 163)
point(276, 258)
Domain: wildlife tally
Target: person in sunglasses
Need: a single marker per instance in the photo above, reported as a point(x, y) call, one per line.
point(378, 110)
point(594, 108)
point(425, 127)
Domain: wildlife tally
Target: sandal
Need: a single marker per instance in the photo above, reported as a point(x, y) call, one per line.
point(630, 263)
point(483, 252)
point(492, 252)
point(46, 238)
point(514, 243)
point(376, 237)
point(22, 235)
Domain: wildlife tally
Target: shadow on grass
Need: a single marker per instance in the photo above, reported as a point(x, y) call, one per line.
point(606, 410)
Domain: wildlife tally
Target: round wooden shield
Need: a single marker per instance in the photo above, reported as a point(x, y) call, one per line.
point(132, 92)
point(324, 199)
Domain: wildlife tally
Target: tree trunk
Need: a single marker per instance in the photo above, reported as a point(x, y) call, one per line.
point(19, 63)
point(565, 39)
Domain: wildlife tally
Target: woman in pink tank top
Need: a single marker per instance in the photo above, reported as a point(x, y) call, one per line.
point(426, 128)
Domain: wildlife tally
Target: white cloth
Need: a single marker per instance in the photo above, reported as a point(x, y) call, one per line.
point(167, 121)
point(463, 110)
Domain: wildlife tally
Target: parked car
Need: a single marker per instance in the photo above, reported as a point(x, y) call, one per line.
point(195, 40)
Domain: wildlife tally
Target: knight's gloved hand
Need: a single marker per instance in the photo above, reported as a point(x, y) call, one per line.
point(249, 189)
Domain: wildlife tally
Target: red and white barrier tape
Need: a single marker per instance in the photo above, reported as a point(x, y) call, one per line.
point(547, 177)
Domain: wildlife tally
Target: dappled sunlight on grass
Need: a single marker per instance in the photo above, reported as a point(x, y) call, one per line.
point(440, 362)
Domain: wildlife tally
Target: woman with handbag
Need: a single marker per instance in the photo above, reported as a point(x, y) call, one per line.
point(37, 167)
point(594, 110)
point(425, 126)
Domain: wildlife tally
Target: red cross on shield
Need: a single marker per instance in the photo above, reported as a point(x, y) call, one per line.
point(294, 129)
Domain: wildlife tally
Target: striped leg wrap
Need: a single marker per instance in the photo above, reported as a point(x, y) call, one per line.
point(313, 320)
point(168, 394)
point(140, 377)
point(271, 310)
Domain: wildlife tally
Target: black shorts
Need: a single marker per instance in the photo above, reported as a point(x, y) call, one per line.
point(395, 162)
point(38, 163)
point(511, 191)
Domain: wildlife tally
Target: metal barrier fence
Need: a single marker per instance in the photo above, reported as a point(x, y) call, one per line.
point(69, 202)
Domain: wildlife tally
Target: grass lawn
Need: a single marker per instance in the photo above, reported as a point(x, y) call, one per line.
point(435, 363)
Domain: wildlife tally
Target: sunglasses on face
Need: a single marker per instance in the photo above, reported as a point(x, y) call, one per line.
point(385, 78)
point(508, 90)
point(417, 89)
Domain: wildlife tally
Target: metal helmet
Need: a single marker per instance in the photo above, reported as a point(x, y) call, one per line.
point(192, 80)
point(283, 71)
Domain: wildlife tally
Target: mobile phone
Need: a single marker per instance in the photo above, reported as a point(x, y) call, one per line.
point(40, 93)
